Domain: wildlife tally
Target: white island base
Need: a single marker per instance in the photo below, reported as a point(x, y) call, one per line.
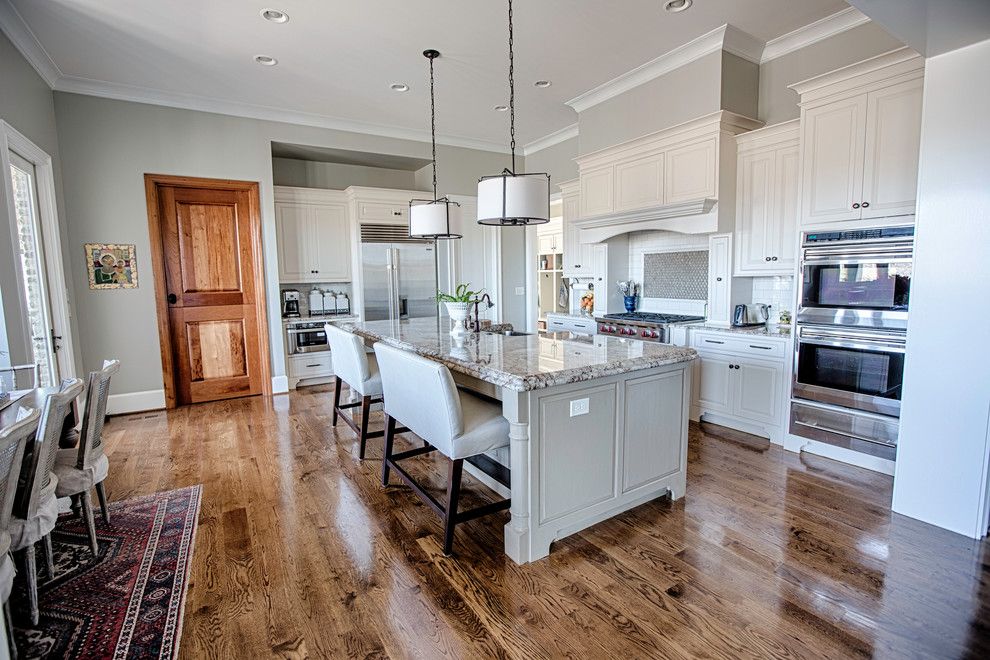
point(570, 472)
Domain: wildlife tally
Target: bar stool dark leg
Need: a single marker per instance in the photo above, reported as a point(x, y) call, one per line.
point(365, 413)
point(336, 398)
point(450, 515)
point(389, 438)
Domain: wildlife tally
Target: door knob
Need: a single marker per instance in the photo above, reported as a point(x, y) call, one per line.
point(172, 299)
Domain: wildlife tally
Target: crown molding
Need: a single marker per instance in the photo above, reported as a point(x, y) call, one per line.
point(549, 140)
point(742, 44)
point(899, 61)
point(812, 33)
point(24, 39)
point(121, 92)
point(672, 59)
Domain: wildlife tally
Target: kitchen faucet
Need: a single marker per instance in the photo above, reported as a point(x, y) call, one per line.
point(476, 324)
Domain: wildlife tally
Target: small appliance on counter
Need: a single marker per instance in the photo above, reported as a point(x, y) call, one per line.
point(290, 304)
point(750, 315)
point(316, 302)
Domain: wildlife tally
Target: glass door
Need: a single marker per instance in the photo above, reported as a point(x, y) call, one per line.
point(27, 328)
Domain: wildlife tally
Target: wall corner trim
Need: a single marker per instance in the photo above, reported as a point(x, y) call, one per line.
point(280, 384)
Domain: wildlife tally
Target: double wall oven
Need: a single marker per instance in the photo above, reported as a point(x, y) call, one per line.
point(855, 288)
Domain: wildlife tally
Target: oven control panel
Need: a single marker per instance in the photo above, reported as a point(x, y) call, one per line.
point(624, 330)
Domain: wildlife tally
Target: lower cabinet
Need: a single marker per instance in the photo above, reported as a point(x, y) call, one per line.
point(741, 384)
point(309, 366)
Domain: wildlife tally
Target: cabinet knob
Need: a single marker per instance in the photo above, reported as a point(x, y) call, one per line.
point(577, 265)
point(718, 279)
point(773, 258)
point(767, 258)
point(856, 205)
point(866, 204)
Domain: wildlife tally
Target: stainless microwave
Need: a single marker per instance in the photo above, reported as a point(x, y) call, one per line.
point(857, 278)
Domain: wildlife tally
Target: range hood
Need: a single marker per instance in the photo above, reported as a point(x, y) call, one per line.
point(694, 217)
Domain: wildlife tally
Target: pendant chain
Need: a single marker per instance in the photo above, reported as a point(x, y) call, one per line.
point(433, 130)
point(512, 96)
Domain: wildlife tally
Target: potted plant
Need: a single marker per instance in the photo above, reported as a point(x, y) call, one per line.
point(458, 304)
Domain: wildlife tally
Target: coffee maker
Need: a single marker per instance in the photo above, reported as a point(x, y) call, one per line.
point(290, 304)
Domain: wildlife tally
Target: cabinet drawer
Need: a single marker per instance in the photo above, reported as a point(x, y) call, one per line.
point(312, 365)
point(382, 212)
point(739, 344)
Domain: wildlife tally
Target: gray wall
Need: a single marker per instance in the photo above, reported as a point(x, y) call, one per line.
point(336, 176)
point(557, 161)
point(686, 93)
point(26, 104)
point(740, 85)
point(778, 103)
point(108, 146)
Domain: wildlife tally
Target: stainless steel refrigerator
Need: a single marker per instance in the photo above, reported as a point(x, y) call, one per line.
point(400, 280)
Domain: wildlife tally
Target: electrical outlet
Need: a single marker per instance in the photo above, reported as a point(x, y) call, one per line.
point(580, 407)
point(520, 291)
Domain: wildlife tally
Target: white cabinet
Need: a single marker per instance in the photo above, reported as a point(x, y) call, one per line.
point(309, 366)
point(639, 183)
point(550, 237)
point(690, 172)
point(861, 131)
point(767, 188)
point(577, 255)
point(719, 279)
point(741, 381)
point(313, 236)
point(596, 191)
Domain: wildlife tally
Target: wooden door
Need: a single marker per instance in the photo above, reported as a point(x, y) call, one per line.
point(208, 268)
point(833, 143)
point(893, 142)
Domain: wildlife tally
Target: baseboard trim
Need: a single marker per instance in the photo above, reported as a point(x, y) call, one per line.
point(280, 384)
point(132, 402)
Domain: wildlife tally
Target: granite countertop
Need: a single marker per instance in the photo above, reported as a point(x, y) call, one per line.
point(774, 331)
point(516, 363)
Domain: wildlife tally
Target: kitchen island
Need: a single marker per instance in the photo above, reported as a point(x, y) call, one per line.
point(597, 425)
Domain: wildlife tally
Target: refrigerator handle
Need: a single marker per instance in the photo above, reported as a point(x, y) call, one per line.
point(393, 257)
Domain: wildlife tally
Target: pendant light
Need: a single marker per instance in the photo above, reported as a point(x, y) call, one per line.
point(512, 199)
point(438, 218)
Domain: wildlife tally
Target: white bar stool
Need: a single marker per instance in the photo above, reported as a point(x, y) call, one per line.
point(421, 394)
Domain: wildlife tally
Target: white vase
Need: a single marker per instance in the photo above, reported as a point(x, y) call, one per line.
point(458, 312)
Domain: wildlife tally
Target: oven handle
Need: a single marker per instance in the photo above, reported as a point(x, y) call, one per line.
point(300, 331)
point(863, 344)
point(848, 434)
point(888, 252)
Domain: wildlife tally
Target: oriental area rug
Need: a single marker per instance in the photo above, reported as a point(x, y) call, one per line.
point(128, 601)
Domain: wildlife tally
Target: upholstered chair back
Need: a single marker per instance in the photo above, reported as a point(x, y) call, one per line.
point(13, 438)
point(46, 441)
point(350, 361)
point(421, 395)
point(97, 393)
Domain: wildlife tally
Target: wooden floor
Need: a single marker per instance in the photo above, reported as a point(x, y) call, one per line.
point(302, 553)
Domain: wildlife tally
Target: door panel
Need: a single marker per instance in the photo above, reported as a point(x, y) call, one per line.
point(690, 172)
point(754, 219)
point(415, 269)
point(893, 138)
point(714, 379)
point(756, 391)
point(331, 243)
point(782, 230)
point(377, 281)
point(209, 238)
point(295, 239)
point(834, 139)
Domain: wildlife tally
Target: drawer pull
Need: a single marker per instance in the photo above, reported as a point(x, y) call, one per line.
point(712, 341)
point(314, 365)
point(762, 348)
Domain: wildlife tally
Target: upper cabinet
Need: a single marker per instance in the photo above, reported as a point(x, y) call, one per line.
point(313, 236)
point(577, 255)
point(679, 179)
point(861, 131)
point(767, 189)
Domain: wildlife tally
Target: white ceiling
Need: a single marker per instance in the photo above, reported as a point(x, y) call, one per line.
point(338, 57)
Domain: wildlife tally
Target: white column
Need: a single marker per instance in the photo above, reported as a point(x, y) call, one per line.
point(515, 408)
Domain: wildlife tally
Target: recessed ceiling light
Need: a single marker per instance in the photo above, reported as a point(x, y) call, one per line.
point(399, 87)
point(265, 60)
point(677, 5)
point(500, 108)
point(543, 83)
point(274, 15)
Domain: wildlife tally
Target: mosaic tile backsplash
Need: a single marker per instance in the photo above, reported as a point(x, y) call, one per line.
point(678, 275)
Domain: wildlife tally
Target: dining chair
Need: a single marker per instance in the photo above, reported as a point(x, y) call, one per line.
point(356, 367)
point(36, 508)
point(12, 441)
point(422, 395)
point(79, 470)
point(33, 370)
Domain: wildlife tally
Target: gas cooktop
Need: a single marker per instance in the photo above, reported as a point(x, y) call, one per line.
point(649, 317)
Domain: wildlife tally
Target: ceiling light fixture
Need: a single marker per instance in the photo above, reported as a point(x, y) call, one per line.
point(265, 60)
point(437, 218)
point(512, 199)
point(542, 84)
point(274, 15)
point(500, 108)
point(399, 87)
point(675, 6)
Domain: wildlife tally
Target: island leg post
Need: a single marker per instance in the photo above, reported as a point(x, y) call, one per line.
point(515, 408)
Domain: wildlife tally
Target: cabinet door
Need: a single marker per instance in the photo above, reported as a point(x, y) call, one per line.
point(781, 231)
point(571, 243)
point(639, 183)
point(719, 273)
point(755, 390)
point(893, 136)
point(754, 211)
point(545, 244)
point(714, 380)
point(834, 138)
point(384, 212)
point(294, 236)
point(689, 172)
point(331, 247)
point(596, 192)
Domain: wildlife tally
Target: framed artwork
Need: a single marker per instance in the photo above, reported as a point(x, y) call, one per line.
point(111, 266)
